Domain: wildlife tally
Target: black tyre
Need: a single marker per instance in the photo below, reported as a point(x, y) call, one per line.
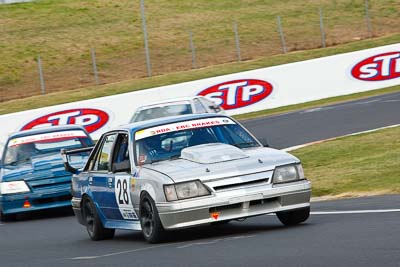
point(152, 229)
point(94, 226)
point(293, 217)
point(220, 223)
point(8, 217)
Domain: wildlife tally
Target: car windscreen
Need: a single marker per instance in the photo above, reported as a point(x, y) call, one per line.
point(167, 141)
point(22, 149)
point(162, 111)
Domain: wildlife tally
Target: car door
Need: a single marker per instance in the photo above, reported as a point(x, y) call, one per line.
point(100, 178)
point(123, 179)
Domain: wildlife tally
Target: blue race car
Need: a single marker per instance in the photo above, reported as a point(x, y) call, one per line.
point(32, 175)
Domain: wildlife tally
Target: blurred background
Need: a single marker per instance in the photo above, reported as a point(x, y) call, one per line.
point(55, 45)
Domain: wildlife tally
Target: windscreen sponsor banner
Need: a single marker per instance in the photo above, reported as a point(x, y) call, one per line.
point(46, 137)
point(184, 125)
point(238, 93)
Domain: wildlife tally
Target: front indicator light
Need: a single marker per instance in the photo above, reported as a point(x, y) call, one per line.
point(27, 204)
point(214, 215)
point(170, 192)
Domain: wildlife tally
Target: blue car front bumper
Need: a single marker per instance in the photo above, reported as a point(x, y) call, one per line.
point(17, 203)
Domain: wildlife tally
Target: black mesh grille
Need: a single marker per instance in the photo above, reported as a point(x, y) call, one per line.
point(233, 186)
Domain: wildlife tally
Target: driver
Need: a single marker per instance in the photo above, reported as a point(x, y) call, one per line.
point(153, 145)
point(150, 147)
point(26, 151)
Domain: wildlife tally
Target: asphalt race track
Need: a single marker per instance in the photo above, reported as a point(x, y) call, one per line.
point(352, 232)
point(315, 124)
point(329, 239)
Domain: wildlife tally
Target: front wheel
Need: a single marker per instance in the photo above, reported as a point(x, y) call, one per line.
point(152, 229)
point(293, 217)
point(94, 226)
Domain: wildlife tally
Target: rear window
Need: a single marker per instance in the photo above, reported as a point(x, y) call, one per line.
point(162, 111)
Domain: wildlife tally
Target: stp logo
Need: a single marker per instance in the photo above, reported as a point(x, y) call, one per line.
point(378, 68)
point(91, 119)
point(238, 93)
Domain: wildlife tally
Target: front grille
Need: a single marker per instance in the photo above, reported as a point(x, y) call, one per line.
point(240, 185)
point(263, 201)
point(253, 203)
point(50, 183)
point(226, 207)
point(52, 199)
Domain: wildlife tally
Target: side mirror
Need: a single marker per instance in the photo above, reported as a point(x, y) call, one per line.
point(264, 142)
point(65, 154)
point(124, 166)
point(67, 166)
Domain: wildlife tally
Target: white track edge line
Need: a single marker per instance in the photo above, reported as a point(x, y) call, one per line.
point(353, 212)
point(334, 138)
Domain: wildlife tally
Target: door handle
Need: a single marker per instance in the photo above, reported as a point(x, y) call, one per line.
point(110, 181)
point(90, 180)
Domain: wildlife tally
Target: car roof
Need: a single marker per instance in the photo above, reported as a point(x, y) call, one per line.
point(172, 100)
point(133, 127)
point(48, 129)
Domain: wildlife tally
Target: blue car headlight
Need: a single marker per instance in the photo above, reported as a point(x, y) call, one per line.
point(13, 187)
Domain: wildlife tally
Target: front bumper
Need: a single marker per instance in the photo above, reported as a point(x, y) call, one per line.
point(14, 203)
point(235, 204)
point(76, 207)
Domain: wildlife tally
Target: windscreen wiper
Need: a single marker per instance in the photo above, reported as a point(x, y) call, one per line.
point(162, 159)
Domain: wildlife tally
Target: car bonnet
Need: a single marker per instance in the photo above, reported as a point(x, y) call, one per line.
point(221, 163)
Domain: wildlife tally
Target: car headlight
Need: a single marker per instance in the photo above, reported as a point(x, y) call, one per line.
point(13, 187)
point(288, 173)
point(185, 190)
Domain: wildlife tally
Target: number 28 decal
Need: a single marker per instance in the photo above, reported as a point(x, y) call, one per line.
point(123, 197)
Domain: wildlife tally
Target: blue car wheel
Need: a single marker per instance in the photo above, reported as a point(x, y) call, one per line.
point(94, 226)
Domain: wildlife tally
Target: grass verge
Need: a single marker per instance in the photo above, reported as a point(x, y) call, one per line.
point(63, 32)
point(366, 164)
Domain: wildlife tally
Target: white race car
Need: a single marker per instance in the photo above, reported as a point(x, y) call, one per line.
point(181, 172)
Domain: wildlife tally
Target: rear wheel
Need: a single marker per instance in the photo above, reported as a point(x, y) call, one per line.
point(293, 217)
point(152, 229)
point(94, 226)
